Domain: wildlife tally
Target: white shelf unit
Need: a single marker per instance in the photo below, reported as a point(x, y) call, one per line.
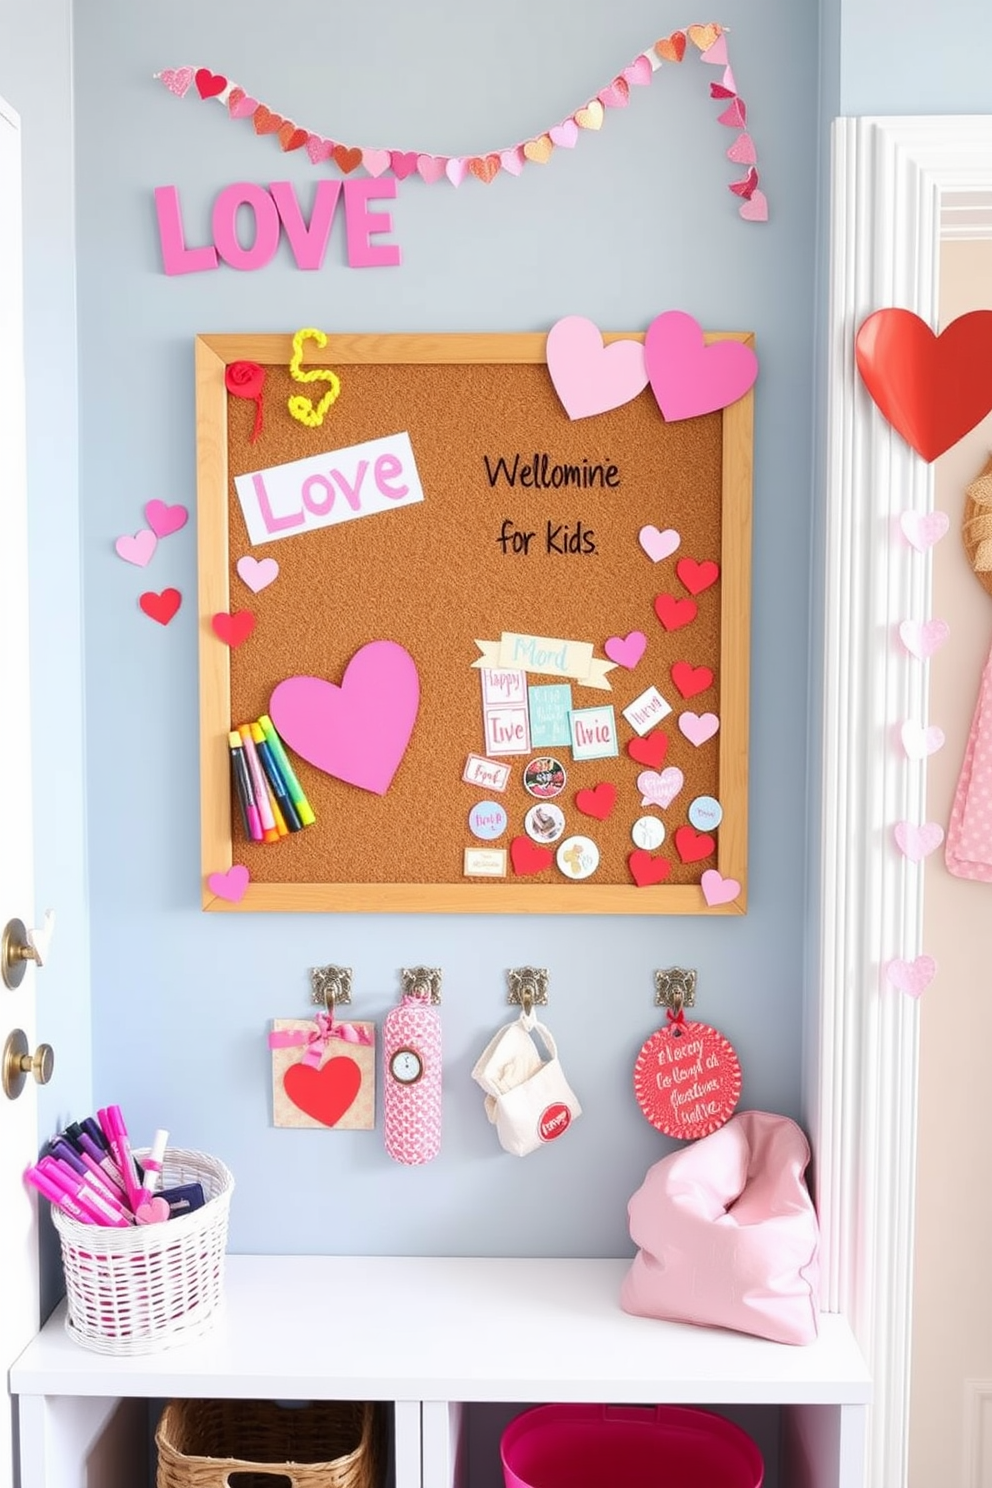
point(433, 1336)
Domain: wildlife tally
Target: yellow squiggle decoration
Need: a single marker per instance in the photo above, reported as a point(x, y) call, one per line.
point(302, 409)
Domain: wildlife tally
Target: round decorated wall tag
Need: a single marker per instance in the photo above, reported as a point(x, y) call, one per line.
point(687, 1079)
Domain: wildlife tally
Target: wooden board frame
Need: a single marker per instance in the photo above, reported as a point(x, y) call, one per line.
point(213, 353)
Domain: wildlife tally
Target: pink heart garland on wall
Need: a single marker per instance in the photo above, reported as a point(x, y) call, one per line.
point(358, 731)
point(689, 378)
point(912, 977)
point(589, 377)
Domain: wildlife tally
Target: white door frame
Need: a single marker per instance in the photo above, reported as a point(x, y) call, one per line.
point(892, 181)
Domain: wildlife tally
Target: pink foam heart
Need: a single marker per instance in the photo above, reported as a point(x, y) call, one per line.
point(230, 885)
point(717, 889)
point(512, 160)
point(698, 727)
point(923, 638)
point(431, 167)
point(376, 161)
point(257, 573)
point(756, 208)
point(911, 977)
point(565, 133)
point(614, 96)
point(404, 163)
point(627, 650)
point(657, 544)
point(742, 151)
point(456, 170)
point(717, 54)
point(163, 519)
point(920, 742)
point(153, 1211)
point(244, 108)
point(923, 529)
point(660, 790)
point(177, 79)
point(137, 549)
point(918, 842)
point(734, 115)
point(689, 378)
point(640, 72)
point(319, 148)
point(357, 732)
point(589, 377)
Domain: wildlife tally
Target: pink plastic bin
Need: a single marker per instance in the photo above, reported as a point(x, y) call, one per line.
point(627, 1446)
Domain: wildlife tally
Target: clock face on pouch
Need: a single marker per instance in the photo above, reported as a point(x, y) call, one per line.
point(406, 1066)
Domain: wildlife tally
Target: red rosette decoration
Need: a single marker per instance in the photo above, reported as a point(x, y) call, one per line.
point(246, 380)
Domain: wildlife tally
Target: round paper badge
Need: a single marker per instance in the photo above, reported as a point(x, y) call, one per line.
point(705, 813)
point(687, 1079)
point(544, 777)
point(544, 823)
point(648, 832)
point(578, 857)
point(487, 820)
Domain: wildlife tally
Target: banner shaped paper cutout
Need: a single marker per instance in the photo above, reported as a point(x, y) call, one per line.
point(322, 490)
point(548, 655)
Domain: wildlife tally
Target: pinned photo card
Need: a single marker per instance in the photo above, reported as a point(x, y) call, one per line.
point(550, 704)
point(594, 733)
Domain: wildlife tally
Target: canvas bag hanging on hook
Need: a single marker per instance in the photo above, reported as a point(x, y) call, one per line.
point(528, 1099)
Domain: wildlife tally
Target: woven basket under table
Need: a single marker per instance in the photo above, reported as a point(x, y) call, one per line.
point(324, 1444)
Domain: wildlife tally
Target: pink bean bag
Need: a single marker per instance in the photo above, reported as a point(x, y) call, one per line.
point(728, 1234)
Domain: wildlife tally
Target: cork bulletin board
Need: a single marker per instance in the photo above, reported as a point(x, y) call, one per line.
point(497, 459)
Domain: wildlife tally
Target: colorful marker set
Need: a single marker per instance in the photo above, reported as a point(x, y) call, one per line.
point(269, 796)
point(91, 1173)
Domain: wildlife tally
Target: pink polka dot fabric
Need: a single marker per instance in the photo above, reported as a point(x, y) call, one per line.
point(968, 850)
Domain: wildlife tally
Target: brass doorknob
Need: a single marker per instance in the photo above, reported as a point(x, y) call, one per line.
point(18, 946)
point(19, 1062)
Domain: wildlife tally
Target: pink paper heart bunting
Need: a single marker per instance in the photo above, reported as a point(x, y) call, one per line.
point(755, 210)
point(916, 842)
point(911, 977)
point(923, 638)
point(920, 742)
point(923, 529)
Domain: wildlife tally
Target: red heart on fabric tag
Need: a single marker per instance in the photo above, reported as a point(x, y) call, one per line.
point(527, 857)
point(646, 870)
point(649, 751)
point(598, 802)
point(691, 845)
point(209, 84)
point(346, 160)
point(326, 1093)
point(233, 629)
point(674, 613)
point(161, 607)
point(691, 680)
point(932, 389)
point(697, 576)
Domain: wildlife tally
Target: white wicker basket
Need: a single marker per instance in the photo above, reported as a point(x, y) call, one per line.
point(149, 1287)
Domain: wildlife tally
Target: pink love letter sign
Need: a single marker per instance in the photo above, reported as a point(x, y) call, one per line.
point(588, 376)
point(358, 731)
point(689, 378)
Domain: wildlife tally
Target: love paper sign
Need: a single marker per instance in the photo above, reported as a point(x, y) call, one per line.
point(325, 489)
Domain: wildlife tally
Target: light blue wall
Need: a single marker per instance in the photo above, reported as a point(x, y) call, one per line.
point(636, 220)
point(914, 57)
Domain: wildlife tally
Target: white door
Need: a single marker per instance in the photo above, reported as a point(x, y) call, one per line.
point(18, 1118)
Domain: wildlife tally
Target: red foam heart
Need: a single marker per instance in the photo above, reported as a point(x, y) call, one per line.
point(209, 84)
point(527, 857)
point(747, 187)
point(649, 751)
point(161, 607)
point(292, 138)
point(691, 845)
point(674, 613)
point(233, 629)
point(646, 870)
point(691, 680)
point(932, 389)
point(265, 121)
point(697, 576)
point(598, 802)
point(325, 1094)
point(346, 160)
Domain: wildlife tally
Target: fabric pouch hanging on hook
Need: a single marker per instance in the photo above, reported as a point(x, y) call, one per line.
point(528, 1099)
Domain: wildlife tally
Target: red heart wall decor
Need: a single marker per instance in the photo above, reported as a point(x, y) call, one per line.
point(931, 389)
point(326, 1093)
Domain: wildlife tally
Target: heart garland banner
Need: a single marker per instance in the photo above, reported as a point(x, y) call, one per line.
point(709, 42)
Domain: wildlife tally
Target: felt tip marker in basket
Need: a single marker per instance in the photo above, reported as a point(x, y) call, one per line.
point(283, 798)
point(82, 1164)
point(56, 1196)
point(245, 788)
point(87, 1198)
point(269, 830)
point(152, 1165)
point(103, 1160)
point(116, 1133)
point(303, 808)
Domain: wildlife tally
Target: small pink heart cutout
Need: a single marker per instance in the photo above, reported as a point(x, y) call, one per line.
point(627, 650)
point(912, 977)
point(689, 378)
point(163, 519)
point(589, 377)
point(358, 731)
point(230, 885)
point(717, 889)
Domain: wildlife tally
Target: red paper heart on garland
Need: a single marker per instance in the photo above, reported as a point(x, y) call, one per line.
point(527, 857)
point(650, 751)
point(233, 629)
point(691, 680)
point(692, 846)
point(485, 168)
point(292, 138)
point(598, 802)
point(646, 870)
point(932, 389)
point(346, 160)
point(209, 84)
point(326, 1093)
point(674, 613)
point(265, 121)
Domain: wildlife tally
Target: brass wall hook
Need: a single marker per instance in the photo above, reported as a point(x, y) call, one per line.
point(528, 987)
point(423, 981)
point(330, 986)
point(675, 988)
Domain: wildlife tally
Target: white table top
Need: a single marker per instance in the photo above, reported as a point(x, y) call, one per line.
point(414, 1328)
